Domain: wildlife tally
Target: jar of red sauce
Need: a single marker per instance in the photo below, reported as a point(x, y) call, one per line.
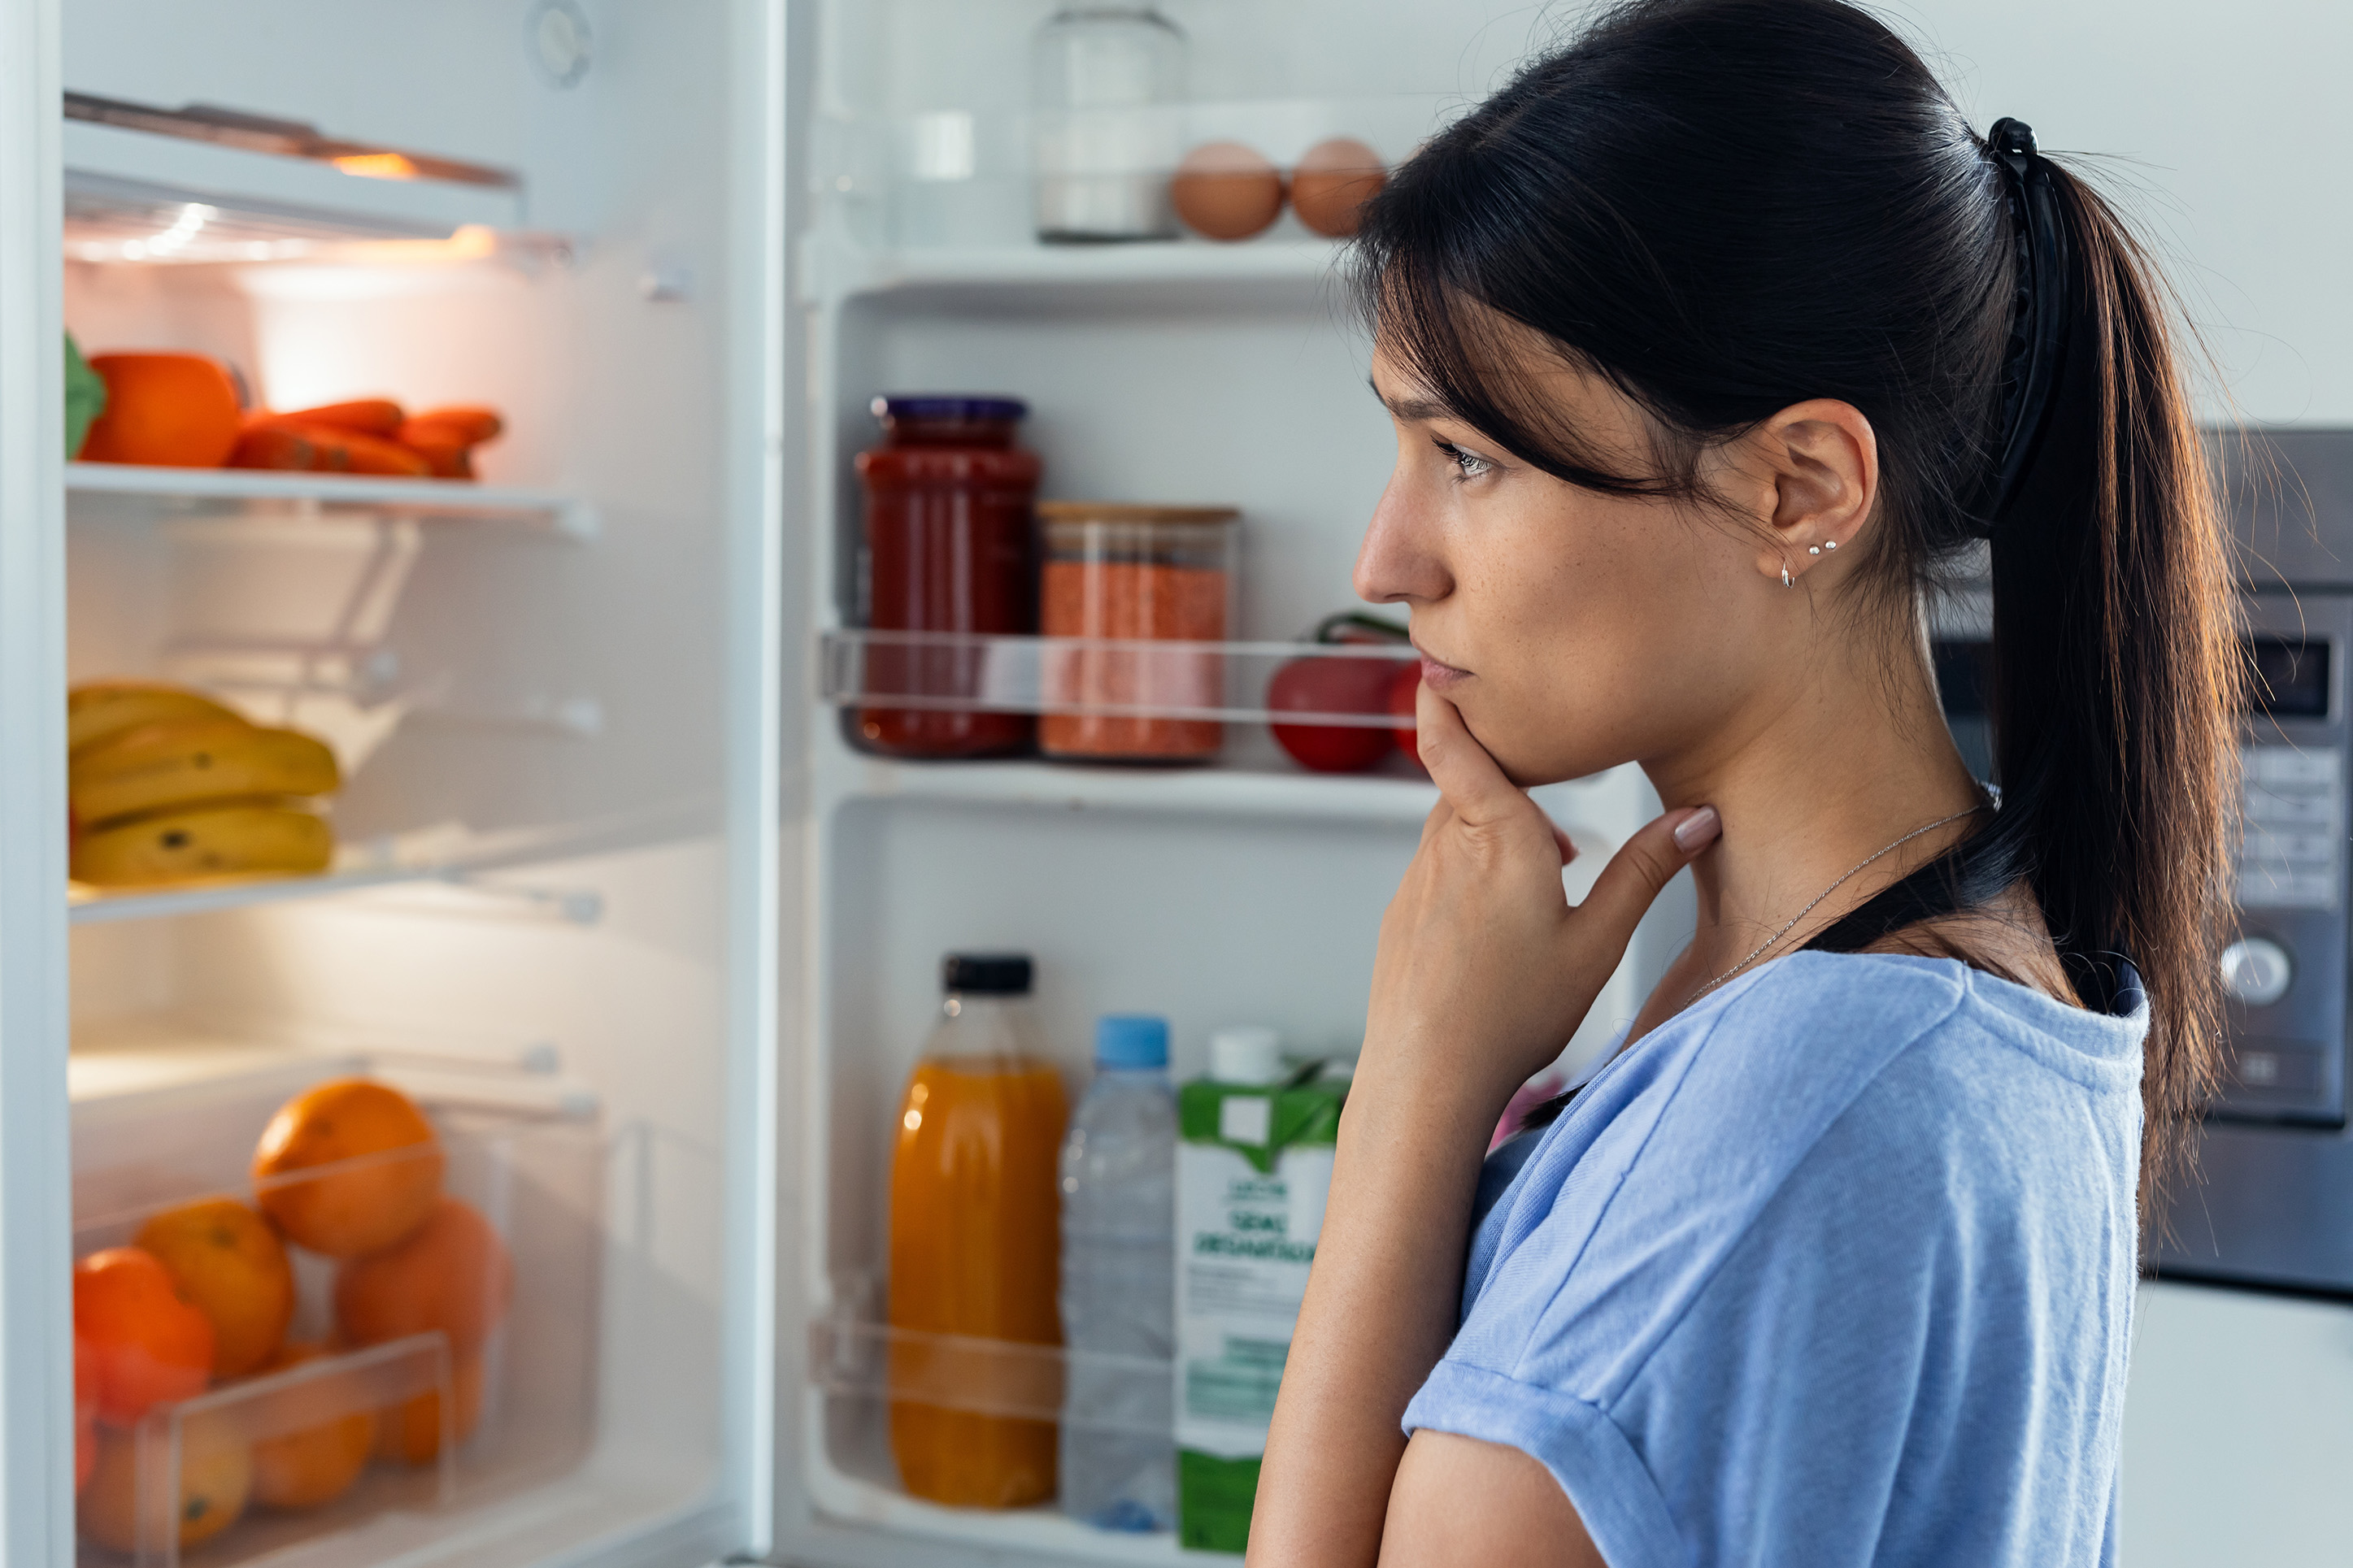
point(950, 546)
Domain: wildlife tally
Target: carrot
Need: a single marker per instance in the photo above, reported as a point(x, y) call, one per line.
point(449, 458)
point(473, 424)
point(319, 448)
point(378, 416)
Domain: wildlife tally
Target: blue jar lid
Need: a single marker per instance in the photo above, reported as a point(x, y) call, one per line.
point(1131, 1040)
point(949, 405)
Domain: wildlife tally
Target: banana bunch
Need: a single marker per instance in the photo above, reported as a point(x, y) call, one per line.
point(168, 786)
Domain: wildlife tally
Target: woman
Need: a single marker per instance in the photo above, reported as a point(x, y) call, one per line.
point(1715, 343)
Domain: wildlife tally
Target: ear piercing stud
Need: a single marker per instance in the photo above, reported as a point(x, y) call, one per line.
point(1813, 550)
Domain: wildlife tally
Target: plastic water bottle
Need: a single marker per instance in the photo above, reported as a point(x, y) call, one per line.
point(1119, 1224)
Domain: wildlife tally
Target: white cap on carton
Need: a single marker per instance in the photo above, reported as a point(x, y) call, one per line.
point(1246, 1053)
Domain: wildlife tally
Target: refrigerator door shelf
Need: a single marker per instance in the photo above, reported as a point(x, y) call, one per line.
point(200, 505)
point(1229, 682)
point(961, 179)
point(870, 1361)
point(1214, 792)
point(1296, 271)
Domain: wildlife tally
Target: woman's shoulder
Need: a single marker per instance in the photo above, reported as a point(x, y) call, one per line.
point(1694, 1128)
point(1820, 1027)
point(1906, 1082)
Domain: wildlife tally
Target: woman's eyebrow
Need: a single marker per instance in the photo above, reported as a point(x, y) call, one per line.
point(1409, 408)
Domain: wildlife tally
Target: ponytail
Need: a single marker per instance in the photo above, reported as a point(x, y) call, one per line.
point(2116, 675)
point(1730, 207)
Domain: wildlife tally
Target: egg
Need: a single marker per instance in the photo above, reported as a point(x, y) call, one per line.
point(1224, 190)
point(1333, 179)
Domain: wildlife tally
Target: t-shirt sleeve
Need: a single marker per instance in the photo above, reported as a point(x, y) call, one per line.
point(1758, 1415)
point(1866, 1371)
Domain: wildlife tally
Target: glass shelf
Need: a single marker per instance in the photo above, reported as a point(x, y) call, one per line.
point(447, 859)
point(242, 503)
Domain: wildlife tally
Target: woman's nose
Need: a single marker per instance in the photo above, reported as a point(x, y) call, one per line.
point(1399, 562)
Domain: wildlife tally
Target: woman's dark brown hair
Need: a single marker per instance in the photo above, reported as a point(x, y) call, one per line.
point(1727, 207)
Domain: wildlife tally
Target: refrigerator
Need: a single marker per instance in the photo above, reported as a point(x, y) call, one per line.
point(615, 898)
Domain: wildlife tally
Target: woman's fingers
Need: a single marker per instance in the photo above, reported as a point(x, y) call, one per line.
point(1460, 766)
point(1643, 865)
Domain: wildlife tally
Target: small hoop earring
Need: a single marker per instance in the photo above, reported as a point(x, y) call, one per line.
point(1786, 579)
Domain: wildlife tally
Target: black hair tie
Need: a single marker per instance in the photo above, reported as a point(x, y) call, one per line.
point(2038, 330)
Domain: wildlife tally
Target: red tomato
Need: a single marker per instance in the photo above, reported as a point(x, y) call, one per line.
point(85, 1411)
point(1331, 686)
point(148, 1341)
point(1405, 688)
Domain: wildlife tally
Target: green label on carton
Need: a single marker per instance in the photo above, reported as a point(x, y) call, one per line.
point(1253, 1171)
point(1213, 1514)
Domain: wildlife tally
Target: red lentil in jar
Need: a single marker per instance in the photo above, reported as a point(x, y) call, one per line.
point(1145, 574)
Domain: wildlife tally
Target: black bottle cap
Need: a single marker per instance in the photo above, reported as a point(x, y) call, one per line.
point(986, 974)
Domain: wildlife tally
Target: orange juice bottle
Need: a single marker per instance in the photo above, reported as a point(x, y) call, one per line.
point(976, 1248)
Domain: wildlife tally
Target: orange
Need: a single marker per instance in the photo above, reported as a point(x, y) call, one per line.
point(451, 1273)
point(85, 1411)
point(149, 1343)
point(410, 1432)
point(384, 1167)
point(226, 1259)
point(316, 1464)
point(215, 1477)
point(176, 410)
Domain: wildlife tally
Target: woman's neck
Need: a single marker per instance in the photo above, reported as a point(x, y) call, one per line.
point(1810, 785)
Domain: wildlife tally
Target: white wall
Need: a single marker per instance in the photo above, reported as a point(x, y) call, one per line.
point(2230, 128)
point(2239, 1431)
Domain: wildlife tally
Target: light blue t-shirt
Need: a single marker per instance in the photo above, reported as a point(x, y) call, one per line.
point(1834, 1267)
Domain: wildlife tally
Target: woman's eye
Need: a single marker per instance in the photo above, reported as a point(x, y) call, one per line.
point(1467, 465)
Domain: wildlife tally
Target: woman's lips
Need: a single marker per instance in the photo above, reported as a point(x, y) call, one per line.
point(1440, 675)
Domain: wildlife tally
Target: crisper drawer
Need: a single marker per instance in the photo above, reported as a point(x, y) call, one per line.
point(362, 1452)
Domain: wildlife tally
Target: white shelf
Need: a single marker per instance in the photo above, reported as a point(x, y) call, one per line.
point(1209, 791)
point(1014, 1535)
point(834, 270)
point(248, 497)
point(87, 905)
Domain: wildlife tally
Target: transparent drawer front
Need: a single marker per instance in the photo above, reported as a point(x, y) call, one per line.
point(352, 1452)
point(261, 1464)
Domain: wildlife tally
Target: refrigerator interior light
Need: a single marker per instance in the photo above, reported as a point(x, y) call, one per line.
point(378, 165)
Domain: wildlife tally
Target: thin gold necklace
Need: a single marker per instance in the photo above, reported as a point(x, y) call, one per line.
point(1767, 945)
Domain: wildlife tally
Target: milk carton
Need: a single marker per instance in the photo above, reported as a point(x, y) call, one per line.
point(1253, 1169)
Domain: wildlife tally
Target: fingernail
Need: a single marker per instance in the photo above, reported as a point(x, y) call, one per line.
point(1698, 829)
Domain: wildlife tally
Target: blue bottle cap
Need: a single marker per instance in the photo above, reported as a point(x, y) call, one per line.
point(947, 405)
point(1131, 1040)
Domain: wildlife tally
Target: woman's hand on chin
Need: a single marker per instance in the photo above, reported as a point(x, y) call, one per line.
point(1485, 969)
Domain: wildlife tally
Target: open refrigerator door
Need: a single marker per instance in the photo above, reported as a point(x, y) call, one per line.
point(1162, 765)
point(624, 899)
point(410, 1004)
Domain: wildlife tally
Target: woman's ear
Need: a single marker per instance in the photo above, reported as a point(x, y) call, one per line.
point(1820, 460)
